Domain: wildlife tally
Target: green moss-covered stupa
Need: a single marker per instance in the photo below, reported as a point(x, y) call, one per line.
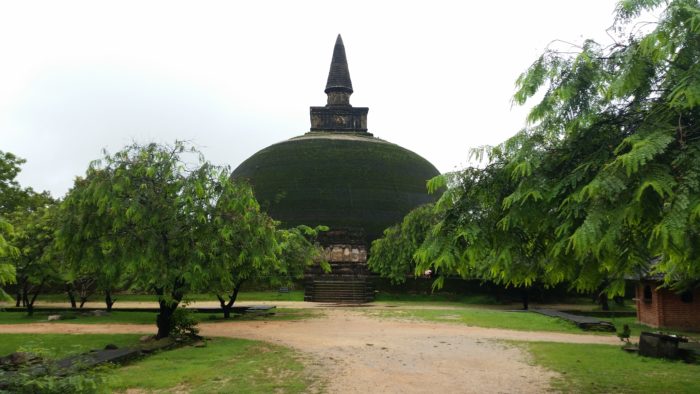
point(338, 174)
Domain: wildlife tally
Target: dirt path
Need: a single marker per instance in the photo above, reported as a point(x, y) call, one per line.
point(356, 353)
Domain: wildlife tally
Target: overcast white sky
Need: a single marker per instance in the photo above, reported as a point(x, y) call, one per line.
point(235, 77)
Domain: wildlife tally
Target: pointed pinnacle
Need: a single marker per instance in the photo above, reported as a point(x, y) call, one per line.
point(339, 75)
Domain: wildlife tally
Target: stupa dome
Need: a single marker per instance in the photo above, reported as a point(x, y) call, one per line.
point(338, 174)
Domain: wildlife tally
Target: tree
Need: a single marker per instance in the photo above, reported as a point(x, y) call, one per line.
point(160, 219)
point(7, 252)
point(22, 210)
point(392, 255)
point(259, 252)
point(11, 193)
point(85, 232)
point(606, 178)
point(36, 263)
point(13, 197)
point(298, 249)
point(246, 249)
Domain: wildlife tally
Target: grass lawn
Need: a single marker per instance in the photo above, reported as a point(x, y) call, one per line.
point(223, 366)
point(61, 345)
point(150, 317)
point(440, 298)
point(272, 295)
point(608, 369)
point(523, 321)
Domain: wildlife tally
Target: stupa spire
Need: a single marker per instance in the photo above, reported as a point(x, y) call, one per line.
point(338, 115)
point(339, 74)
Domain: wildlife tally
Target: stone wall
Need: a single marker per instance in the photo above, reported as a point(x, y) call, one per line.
point(345, 253)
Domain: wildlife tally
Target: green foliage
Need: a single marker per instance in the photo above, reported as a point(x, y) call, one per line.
point(184, 324)
point(607, 176)
point(11, 194)
point(169, 226)
point(37, 262)
point(392, 255)
point(18, 211)
point(7, 251)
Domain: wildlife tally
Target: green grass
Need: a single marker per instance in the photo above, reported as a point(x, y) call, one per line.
point(272, 295)
point(150, 317)
point(114, 317)
point(608, 369)
point(224, 365)
point(61, 345)
point(440, 298)
point(283, 314)
point(523, 321)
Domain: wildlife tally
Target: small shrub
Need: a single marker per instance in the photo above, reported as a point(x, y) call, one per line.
point(184, 324)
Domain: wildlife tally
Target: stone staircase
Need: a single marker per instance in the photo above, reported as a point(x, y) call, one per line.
point(339, 291)
point(346, 283)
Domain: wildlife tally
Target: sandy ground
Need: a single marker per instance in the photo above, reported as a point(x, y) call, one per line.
point(356, 353)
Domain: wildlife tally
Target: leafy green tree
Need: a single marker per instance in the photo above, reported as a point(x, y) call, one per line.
point(37, 260)
point(7, 252)
point(262, 254)
point(392, 255)
point(26, 242)
point(298, 249)
point(11, 193)
point(13, 197)
point(84, 234)
point(161, 220)
point(607, 176)
point(246, 250)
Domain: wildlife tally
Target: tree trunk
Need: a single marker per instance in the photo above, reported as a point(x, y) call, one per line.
point(26, 304)
point(25, 291)
point(164, 320)
point(30, 304)
point(108, 300)
point(71, 296)
point(83, 300)
point(525, 298)
point(227, 307)
point(603, 298)
point(19, 298)
point(25, 301)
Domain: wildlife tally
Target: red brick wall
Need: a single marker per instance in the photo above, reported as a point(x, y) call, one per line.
point(667, 309)
point(648, 312)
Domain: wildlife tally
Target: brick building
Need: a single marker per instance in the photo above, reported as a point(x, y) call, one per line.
point(664, 308)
